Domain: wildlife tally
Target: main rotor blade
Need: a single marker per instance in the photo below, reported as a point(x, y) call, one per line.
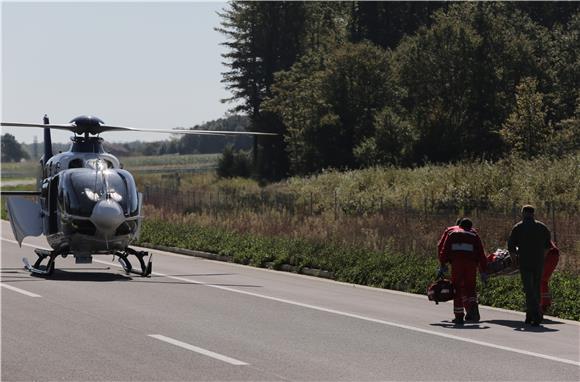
point(186, 131)
point(68, 126)
point(102, 128)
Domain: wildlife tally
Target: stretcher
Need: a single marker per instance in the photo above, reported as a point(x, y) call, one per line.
point(502, 263)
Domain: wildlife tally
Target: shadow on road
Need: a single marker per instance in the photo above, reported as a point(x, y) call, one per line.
point(81, 275)
point(467, 325)
point(521, 327)
point(197, 275)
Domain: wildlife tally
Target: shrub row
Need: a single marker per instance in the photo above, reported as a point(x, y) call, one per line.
point(351, 264)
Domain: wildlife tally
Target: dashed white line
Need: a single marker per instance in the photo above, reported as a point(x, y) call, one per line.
point(231, 361)
point(21, 291)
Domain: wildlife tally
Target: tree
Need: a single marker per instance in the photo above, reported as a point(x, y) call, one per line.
point(234, 163)
point(329, 106)
point(386, 22)
point(263, 38)
point(566, 138)
point(460, 76)
point(526, 131)
point(564, 61)
point(12, 151)
point(435, 67)
point(391, 142)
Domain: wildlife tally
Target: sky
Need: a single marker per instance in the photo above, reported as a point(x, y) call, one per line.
point(151, 65)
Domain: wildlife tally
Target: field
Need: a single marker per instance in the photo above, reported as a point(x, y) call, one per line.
point(194, 163)
point(19, 171)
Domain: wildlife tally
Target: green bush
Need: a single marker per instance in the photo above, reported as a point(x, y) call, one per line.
point(234, 164)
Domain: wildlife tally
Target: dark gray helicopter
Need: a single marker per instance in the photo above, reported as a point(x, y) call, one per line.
point(88, 205)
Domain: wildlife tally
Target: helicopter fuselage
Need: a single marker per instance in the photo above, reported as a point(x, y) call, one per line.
point(89, 205)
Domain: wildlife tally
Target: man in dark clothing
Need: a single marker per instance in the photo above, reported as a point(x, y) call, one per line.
point(530, 239)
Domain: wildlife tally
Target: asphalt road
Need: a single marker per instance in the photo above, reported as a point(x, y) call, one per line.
point(197, 319)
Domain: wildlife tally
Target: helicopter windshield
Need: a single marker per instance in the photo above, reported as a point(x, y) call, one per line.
point(83, 189)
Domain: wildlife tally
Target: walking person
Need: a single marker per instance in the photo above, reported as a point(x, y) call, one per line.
point(550, 263)
point(445, 234)
point(463, 248)
point(530, 239)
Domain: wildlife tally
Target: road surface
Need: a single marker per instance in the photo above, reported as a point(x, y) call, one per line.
point(202, 320)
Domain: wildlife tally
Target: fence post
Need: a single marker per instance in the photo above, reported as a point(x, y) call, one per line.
point(554, 222)
point(311, 204)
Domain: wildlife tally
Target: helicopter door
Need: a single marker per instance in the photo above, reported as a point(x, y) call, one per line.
point(52, 205)
point(25, 217)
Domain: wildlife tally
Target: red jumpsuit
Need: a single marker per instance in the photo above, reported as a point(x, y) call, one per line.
point(444, 236)
point(550, 262)
point(464, 250)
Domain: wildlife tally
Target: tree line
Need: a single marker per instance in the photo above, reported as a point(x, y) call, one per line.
point(358, 84)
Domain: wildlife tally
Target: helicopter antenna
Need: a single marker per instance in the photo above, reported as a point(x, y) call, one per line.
point(47, 140)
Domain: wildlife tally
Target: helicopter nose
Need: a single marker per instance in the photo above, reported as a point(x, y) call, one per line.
point(107, 215)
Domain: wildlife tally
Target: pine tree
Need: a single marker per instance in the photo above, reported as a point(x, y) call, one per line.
point(526, 131)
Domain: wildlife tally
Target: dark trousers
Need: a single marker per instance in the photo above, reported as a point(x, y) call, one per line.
point(532, 281)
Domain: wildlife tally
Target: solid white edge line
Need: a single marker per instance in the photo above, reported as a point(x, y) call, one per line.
point(21, 291)
point(231, 361)
point(351, 315)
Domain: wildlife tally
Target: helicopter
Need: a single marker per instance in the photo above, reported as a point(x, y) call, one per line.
point(87, 203)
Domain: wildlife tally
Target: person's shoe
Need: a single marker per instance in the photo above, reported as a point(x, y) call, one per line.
point(473, 315)
point(535, 323)
point(458, 321)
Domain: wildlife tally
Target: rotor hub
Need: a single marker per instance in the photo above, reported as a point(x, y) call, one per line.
point(87, 124)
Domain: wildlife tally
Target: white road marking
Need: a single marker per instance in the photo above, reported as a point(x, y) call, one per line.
point(351, 315)
point(21, 291)
point(231, 361)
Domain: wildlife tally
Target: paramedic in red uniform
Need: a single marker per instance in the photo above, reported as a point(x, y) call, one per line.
point(464, 250)
point(445, 234)
point(550, 263)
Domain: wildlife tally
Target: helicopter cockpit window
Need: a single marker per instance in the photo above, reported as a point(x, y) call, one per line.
point(85, 188)
point(75, 163)
point(98, 164)
point(132, 206)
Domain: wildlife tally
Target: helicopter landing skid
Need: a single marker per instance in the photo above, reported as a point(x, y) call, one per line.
point(36, 268)
point(126, 264)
